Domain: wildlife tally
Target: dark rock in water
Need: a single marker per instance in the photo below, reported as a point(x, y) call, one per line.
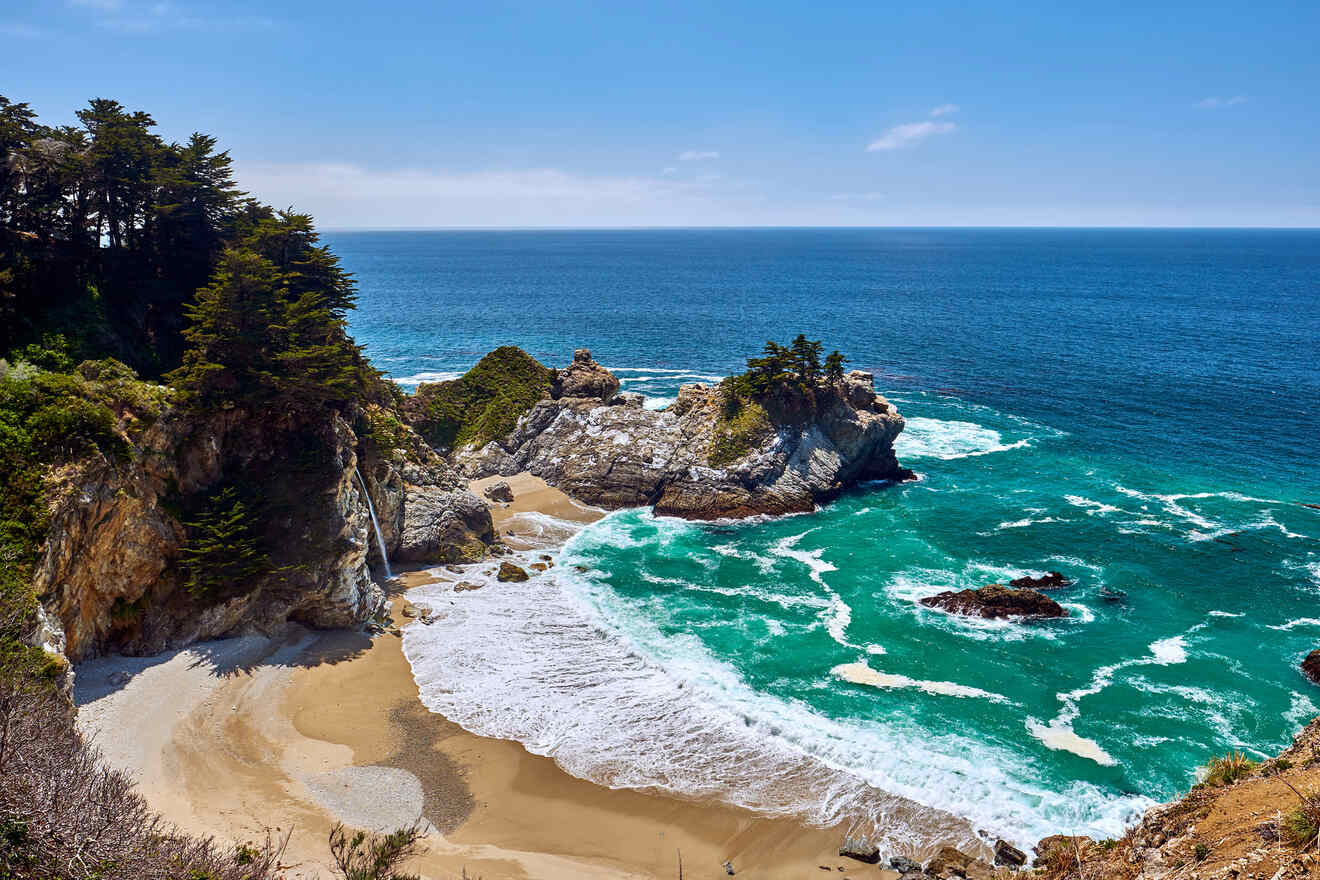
point(1008, 855)
point(1312, 506)
point(1052, 581)
point(581, 569)
point(499, 491)
point(1112, 595)
point(860, 849)
point(539, 566)
point(728, 868)
point(510, 572)
point(904, 865)
point(1311, 666)
point(996, 601)
point(546, 557)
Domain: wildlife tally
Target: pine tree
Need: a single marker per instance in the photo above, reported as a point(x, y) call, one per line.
point(223, 549)
point(834, 367)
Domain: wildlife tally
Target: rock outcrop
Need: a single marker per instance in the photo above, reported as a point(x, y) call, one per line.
point(584, 378)
point(1053, 580)
point(112, 576)
point(1311, 666)
point(995, 602)
point(625, 456)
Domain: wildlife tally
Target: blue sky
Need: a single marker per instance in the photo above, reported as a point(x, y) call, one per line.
point(400, 114)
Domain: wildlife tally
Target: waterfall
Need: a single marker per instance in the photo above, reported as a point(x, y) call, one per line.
point(380, 540)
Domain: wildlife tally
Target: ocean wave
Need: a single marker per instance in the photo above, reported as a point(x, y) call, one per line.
point(654, 403)
point(1301, 621)
point(935, 438)
point(426, 376)
point(561, 665)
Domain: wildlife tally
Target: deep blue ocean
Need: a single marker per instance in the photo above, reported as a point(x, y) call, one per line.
point(1136, 408)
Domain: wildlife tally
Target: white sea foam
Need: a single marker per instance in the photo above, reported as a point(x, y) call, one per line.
point(862, 673)
point(1091, 506)
point(653, 376)
point(426, 376)
point(657, 402)
point(1301, 621)
point(563, 665)
point(935, 438)
point(1058, 734)
point(1300, 712)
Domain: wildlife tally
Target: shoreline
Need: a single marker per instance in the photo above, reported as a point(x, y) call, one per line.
point(236, 737)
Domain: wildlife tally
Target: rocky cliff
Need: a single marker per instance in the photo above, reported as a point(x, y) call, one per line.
point(113, 575)
point(693, 459)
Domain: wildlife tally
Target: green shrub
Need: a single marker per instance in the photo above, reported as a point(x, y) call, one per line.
point(1202, 852)
point(484, 404)
point(1228, 769)
point(742, 426)
point(1298, 826)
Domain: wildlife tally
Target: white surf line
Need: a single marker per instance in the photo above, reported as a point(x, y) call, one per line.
point(1059, 735)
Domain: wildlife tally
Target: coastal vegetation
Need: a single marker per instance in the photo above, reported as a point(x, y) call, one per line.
point(785, 380)
point(483, 404)
point(141, 290)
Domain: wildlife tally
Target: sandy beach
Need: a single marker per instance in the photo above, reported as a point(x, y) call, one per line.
point(250, 736)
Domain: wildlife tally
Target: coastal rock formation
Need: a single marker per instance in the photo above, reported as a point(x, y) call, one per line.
point(686, 460)
point(584, 378)
point(113, 575)
point(1053, 580)
point(1311, 666)
point(499, 491)
point(994, 602)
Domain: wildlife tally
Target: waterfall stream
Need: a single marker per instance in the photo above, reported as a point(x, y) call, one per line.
point(380, 540)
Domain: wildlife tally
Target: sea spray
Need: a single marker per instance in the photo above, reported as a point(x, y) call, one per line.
point(375, 525)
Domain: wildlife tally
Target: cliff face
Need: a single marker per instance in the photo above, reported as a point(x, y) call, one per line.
point(113, 575)
point(605, 449)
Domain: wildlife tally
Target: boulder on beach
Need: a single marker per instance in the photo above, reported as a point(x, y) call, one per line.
point(996, 602)
point(499, 491)
point(861, 849)
point(510, 572)
point(1311, 666)
point(1051, 581)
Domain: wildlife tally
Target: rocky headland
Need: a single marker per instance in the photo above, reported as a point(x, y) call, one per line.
point(712, 454)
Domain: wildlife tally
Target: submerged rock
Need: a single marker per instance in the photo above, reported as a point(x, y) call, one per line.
point(808, 447)
point(996, 601)
point(511, 573)
point(1052, 581)
point(1311, 666)
point(499, 491)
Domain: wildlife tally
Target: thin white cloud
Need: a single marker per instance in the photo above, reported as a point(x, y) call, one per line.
point(1214, 102)
point(697, 155)
point(944, 110)
point(347, 196)
point(909, 134)
point(103, 5)
point(669, 169)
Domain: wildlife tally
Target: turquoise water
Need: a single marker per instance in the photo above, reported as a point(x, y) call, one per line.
point(1135, 409)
